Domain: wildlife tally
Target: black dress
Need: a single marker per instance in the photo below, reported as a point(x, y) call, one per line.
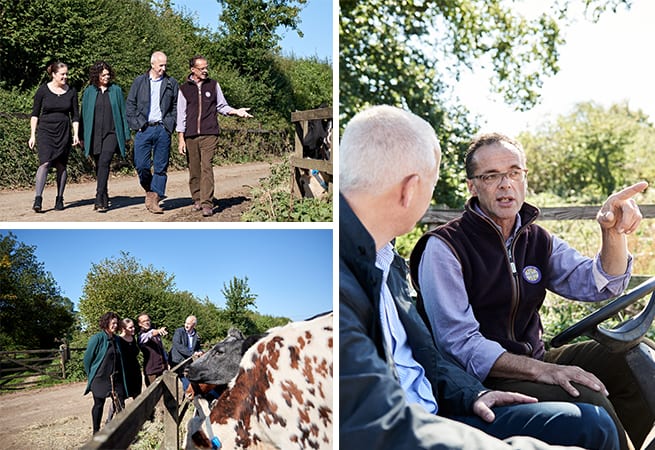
point(53, 131)
point(133, 377)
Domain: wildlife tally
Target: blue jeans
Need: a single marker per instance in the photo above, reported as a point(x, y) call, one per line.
point(556, 423)
point(152, 147)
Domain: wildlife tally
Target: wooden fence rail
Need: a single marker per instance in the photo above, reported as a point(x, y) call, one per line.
point(123, 429)
point(23, 365)
point(436, 216)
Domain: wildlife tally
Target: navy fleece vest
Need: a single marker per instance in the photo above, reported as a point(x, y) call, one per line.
point(201, 108)
point(505, 289)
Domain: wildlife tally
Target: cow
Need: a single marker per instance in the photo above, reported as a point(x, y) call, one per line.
point(281, 396)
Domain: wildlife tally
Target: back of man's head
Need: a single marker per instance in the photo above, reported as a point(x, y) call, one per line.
point(381, 146)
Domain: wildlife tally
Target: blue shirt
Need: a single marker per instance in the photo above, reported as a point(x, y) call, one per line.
point(454, 325)
point(410, 373)
point(155, 92)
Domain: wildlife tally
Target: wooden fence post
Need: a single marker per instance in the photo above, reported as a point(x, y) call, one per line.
point(171, 418)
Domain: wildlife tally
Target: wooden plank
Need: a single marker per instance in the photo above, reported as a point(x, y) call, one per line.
point(311, 114)
point(440, 215)
point(309, 163)
point(121, 431)
point(171, 401)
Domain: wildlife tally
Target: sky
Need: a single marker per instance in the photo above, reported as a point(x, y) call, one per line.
point(315, 23)
point(606, 62)
point(290, 271)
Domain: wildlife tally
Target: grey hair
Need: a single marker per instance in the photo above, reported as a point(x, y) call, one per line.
point(382, 145)
point(156, 55)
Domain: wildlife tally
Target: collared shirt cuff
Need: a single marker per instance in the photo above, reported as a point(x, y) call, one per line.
point(615, 283)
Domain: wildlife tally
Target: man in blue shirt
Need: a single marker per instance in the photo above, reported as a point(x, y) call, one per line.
point(482, 278)
point(151, 110)
point(396, 389)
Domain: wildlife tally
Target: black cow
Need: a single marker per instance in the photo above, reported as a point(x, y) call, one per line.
point(316, 142)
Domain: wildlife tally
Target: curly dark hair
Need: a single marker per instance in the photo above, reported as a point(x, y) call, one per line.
point(106, 318)
point(96, 70)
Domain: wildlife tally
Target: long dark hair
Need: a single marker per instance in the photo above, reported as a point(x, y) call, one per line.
point(96, 70)
point(54, 67)
point(106, 318)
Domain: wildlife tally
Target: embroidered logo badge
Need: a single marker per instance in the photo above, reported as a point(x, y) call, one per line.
point(207, 94)
point(531, 274)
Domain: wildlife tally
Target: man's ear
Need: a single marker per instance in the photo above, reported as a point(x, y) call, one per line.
point(472, 189)
point(409, 189)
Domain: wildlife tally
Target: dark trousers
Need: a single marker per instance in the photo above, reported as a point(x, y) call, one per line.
point(108, 147)
point(200, 153)
point(625, 403)
point(99, 406)
point(556, 423)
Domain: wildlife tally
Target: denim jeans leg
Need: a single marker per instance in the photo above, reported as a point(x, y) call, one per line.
point(160, 157)
point(556, 423)
point(143, 141)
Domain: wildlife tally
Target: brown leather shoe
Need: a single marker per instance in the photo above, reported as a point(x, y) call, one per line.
point(152, 203)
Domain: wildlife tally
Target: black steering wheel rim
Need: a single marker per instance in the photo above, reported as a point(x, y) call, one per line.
point(591, 322)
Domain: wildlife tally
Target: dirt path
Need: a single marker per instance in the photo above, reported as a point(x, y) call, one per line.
point(233, 186)
point(56, 417)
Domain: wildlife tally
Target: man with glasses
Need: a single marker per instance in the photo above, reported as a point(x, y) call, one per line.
point(200, 99)
point(482, 278)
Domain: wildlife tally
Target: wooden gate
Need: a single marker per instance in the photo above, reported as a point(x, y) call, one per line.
point(301, 166)
point(24, 365)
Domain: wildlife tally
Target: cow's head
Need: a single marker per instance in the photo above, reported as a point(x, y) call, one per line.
point(220, 364)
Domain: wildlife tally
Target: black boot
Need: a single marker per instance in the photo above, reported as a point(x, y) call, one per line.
point(105, 201)
point(38, 200)
point(59, 203)
point(97, 206)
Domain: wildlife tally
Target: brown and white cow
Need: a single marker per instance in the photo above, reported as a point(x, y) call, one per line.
point(281, 397)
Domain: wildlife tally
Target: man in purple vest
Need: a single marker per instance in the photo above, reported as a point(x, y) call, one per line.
point(482, 278)
point(155, 359)
point(199, 101)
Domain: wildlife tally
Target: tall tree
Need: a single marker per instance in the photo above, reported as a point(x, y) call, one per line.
point(127, 287)
point(249, 44)
point(591, 152)
point(409, 53)
point(33, 313)
point(238, 304)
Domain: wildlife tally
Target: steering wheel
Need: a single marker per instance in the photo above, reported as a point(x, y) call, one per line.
point(625, 335)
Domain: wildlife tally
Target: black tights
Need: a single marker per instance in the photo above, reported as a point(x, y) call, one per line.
point(42, 177)
point(99, 406)
point(96, 412)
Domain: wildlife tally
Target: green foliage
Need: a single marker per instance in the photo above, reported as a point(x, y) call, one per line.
point(124, 286)
point(125, 33)
point(591, 152)
point(239, 301)
point(33, 313)
point(410, 53)
point(272, 201)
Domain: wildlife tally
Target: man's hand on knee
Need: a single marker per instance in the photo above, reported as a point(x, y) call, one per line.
point(482, 406)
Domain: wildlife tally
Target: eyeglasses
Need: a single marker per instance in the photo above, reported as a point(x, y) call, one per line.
point(496, 177)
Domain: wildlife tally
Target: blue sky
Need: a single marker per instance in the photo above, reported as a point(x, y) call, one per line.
point(316, 25)
point(290, 271)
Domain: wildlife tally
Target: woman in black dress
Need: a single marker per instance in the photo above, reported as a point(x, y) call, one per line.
point(55, 106)
point(103, 364)
point(130, 351)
